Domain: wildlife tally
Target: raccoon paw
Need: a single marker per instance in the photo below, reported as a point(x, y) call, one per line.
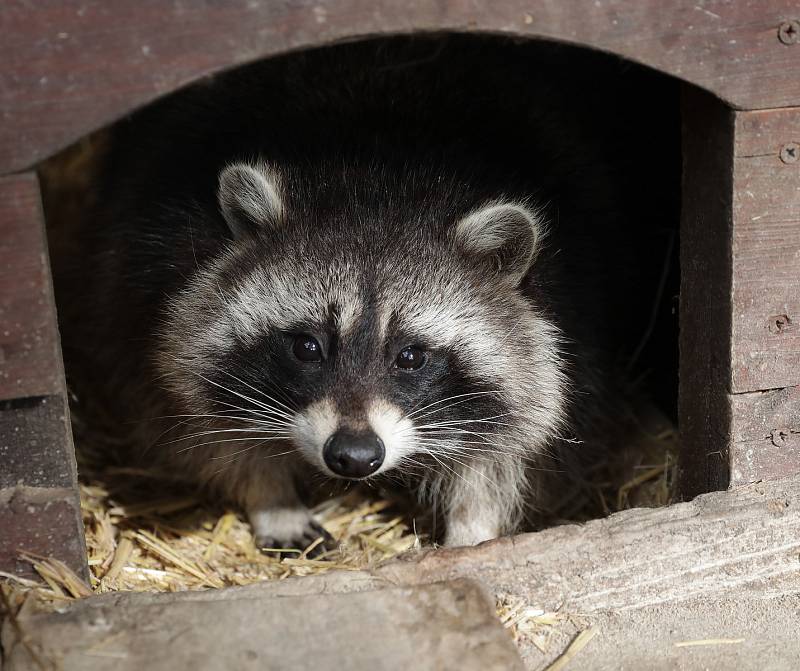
point(289, 529)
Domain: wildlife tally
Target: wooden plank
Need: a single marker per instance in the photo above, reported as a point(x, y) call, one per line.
point(39, 502)
point(766, 435)
point(30, 356)
point(740, 295)
point(705, 297)
point(766, 250)
point(448, 625)
point(722, 566)
point(70, 67)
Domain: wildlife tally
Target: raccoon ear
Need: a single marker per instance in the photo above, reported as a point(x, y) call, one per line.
point(250, 198)
point(504, 234)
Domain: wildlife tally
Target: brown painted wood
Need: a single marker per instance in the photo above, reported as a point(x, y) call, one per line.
point(706, 302)
point(70, 67)
point(30, 357)
point(766, 250)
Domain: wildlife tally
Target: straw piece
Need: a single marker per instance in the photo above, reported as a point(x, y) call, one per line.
point(164, 551)
point(710, 641)
point(58, 575)
point(578, 644)
point(121, 557)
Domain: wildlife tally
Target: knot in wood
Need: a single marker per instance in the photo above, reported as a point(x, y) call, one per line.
point(789, 32)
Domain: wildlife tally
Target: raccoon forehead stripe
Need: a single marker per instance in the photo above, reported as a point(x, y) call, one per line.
point(279, 300)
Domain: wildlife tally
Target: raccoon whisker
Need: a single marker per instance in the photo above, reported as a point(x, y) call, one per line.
point(188, 418)
point(247, 449)
point(255, 402)
point(444, 432)
point(259, 409)
point(259, 391)
point(477, 472)
point(450, 398)
point(231, 440)
point(495, 453)
point(444, 465)
point(456, 422)
point(234, 460)
point(467, 446)
point(203, 434)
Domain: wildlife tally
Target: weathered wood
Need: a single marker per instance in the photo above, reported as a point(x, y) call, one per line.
point(740, 294)
point(39, 503)
point(30, 356)
point(722, 566)
point(42, 521)
point(440, 626)
point(766, 250)
point(766, 435)
point(72, 67)
point(706, 302)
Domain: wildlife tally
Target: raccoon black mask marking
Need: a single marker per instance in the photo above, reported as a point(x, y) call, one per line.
point(341, 354)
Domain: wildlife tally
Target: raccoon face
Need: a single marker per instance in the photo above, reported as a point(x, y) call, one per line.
point(367, 344)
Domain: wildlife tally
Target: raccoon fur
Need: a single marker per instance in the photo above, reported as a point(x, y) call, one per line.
point(368, 263)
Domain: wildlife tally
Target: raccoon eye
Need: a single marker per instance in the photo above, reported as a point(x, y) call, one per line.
point(306, 348)
point(410, 358)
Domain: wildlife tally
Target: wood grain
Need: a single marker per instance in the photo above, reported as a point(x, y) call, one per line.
point(71, 67)
point(723, 565)
point(766, 251)
point(765, 435)
point(30, 354)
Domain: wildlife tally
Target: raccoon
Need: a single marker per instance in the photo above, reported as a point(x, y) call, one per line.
point(337, 268)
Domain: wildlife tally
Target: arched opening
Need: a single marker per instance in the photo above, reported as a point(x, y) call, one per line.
point(590, 143)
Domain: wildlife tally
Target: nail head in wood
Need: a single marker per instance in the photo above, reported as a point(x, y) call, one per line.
point(789, 32)
point(790, 152)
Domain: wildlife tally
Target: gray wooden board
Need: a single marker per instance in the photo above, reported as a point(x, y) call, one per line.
point(724, 566)
point(766, 435)
point(766, 250)
point(72, 67)
point(439, 626)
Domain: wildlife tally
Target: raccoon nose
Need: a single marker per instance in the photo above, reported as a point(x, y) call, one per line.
point(353, 455)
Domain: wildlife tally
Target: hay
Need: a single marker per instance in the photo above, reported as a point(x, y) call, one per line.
point(143, 533)
point(182, 543)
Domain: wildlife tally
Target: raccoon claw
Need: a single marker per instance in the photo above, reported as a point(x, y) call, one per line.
point(273, 545)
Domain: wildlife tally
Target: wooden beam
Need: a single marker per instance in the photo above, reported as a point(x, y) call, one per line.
point(705, 298)
point(72, 67)
point(30, 355)
point(39, 502)
point(740, 295)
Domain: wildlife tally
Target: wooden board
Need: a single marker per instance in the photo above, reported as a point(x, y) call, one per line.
point(39, 502)
point(765, 441)
point(724, 566)
point(426, 628)
point(70, 66)
point(30, 356)
point(705, 296)
point(766, 250)
point(740, 295)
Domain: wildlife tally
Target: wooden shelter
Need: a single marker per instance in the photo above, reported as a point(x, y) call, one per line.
point(72, 67)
